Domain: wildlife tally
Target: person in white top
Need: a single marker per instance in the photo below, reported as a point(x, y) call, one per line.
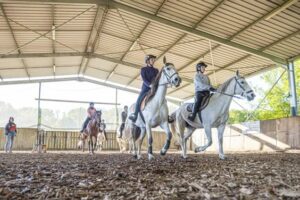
point(202, 88)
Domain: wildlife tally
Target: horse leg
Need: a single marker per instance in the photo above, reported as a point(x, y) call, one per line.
point(150, 142)
point(95, 143)
point(180, 124)
point(209, 140)
point(90, 144)
point(133, 140)
point(190, 131)
point(221, 129)
point(83, 144)
point(140, 142)
point(135, 149)
point(165, 127)
point(130, 146)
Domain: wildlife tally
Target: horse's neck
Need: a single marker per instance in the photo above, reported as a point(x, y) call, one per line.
point(222, 102)
point(93, 121)
point(161, 91)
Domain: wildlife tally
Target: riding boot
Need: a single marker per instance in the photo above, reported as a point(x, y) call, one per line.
point(133, 116)
point(196, 106)
point(85, 124)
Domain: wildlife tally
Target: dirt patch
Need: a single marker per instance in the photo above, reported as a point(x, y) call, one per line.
point(120, 176)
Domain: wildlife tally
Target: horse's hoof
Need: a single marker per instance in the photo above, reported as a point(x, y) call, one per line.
point(197, 150)
point(222, 157)
point(135, 156)
point(184, 156)
point(150, 157)
point(163, 152)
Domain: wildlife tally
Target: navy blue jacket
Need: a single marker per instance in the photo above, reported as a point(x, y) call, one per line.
point(148, 75)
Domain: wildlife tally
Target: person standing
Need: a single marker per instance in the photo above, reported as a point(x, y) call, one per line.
point(10, 133)
point(103, 128)
point(123, 118)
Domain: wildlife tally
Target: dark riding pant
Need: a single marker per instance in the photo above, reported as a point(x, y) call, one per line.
point(139, 101)
point(121, 129)
point(85, 123)
point(198, 100)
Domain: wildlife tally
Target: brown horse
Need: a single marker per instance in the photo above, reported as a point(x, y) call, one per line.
point(91, 132)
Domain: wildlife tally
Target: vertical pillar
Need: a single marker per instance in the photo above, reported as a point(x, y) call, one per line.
point(117, 112)
point(39, 145)
point(292, 86)
point(39, 108)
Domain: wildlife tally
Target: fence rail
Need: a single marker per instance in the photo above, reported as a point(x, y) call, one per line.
point(65, 140)
point(273, 133)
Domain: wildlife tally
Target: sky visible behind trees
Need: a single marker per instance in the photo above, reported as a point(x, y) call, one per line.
point(19, 101)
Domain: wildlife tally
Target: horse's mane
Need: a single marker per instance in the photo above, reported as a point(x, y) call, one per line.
point(155, 84)
point(224, 86)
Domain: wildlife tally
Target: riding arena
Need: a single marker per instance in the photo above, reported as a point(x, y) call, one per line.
point(149, 99)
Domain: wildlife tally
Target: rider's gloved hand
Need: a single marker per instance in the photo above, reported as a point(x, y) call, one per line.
point(212, 89)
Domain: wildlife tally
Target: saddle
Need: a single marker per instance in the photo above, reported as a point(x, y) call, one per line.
point(203, 105)
point(145, 101)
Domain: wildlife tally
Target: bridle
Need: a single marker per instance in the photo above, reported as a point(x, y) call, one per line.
point(244, 90)
point(169, 77)
point(233, 95)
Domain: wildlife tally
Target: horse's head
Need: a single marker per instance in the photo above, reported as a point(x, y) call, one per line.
point(171, 74)
point(242, 88)
point(98, 116)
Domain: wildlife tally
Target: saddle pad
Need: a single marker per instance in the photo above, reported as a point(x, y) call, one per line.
point(204, 103)
point(185, 114)
point(143, 103)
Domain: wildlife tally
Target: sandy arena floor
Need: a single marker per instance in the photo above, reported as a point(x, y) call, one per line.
point(119, 176)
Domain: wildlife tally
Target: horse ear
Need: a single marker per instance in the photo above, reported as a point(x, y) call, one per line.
point(237, 73)
point(165, 60)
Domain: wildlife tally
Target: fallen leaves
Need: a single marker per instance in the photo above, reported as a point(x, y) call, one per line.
point(119, 176)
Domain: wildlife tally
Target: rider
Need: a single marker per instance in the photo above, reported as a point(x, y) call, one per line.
point(202, 88)
point(91, 111)
point(104, 128)
point(148, 74)
point(123, 117)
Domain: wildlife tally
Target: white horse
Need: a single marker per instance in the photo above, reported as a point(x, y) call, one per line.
point(128, 137)
point(214, 115)
point(101, 138)
point(156, 110)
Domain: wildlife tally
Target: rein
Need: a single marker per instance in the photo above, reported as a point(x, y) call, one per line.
point(233, 95)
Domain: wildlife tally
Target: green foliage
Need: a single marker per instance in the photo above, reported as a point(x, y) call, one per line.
point(277, 102)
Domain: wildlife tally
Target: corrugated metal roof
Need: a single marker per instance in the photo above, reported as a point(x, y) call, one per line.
point(124, 38)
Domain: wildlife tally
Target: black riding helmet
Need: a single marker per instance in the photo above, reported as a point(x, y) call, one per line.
point(199, 65)
point(148, 57)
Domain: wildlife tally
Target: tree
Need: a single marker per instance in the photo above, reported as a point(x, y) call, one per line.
point(277, 102)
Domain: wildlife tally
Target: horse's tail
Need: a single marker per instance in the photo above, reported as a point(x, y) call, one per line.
point(172, 122)
point(172, 118)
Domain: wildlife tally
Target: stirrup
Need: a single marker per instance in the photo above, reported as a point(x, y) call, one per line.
point(133, 117)
point(190, 117)
point(170, 119)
